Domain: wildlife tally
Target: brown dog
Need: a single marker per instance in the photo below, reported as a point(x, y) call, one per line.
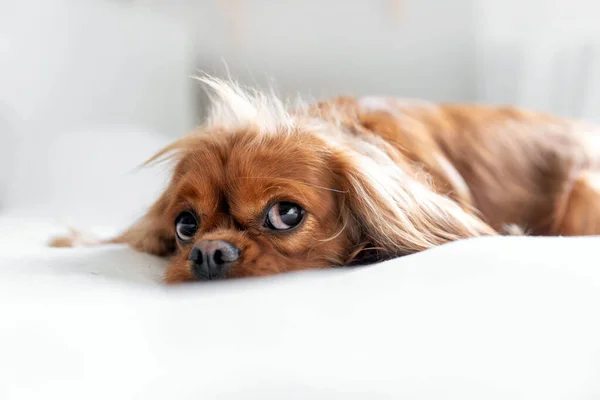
point(260, 189)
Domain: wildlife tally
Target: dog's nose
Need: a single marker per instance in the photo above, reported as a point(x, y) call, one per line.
point(211, 259)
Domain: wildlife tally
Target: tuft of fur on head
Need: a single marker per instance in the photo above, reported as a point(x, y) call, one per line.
point(232, 106)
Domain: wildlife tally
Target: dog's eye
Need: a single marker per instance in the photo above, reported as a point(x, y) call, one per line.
point(186, 226)
point(283, 216)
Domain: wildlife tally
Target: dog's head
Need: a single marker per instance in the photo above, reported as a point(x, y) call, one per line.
point(259, 190)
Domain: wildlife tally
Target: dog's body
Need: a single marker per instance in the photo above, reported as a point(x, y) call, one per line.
point(514, 167)
point(260, 189)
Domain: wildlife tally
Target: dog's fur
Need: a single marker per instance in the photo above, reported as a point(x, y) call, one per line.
point(378, 178)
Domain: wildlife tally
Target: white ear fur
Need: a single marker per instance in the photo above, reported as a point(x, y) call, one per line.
point(397, 212)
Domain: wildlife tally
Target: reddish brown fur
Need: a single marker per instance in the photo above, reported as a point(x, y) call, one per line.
point(517, 164)
point(480, 169)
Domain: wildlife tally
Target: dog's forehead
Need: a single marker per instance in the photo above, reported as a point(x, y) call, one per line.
point(295, 158)
point(287, 168)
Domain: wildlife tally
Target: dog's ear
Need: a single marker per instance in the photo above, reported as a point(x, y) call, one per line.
point(152, 233)
point(398, 213)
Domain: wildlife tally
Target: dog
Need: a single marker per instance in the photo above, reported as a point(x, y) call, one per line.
point(262, 187)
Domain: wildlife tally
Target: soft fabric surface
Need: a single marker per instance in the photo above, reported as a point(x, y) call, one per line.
point(502, 318)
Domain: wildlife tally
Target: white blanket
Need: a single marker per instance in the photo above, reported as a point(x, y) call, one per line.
point(501, 318)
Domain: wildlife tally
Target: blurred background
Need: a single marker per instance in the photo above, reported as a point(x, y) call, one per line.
point(90, 88)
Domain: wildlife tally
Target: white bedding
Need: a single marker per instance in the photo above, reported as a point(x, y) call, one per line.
point(505, 318)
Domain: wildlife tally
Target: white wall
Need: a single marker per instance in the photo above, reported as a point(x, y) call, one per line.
point(425, 48)
point(540, 54)
point(80, 79)
point(72, 63)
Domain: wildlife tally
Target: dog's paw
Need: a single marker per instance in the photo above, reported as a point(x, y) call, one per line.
point(513, 230)
point(75, 238)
